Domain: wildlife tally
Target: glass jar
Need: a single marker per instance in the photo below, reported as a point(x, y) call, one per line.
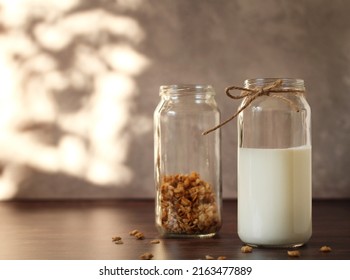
point(187, 163)
point(274, 166)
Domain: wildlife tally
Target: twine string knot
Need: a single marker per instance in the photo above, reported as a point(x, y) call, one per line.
point(253, 93)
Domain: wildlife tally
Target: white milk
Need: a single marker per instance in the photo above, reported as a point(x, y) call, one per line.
point(274, 196)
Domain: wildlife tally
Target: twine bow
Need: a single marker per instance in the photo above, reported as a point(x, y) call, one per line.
point(252, 94)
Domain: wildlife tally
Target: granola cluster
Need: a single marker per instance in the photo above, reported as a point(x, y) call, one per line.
point(188, 205)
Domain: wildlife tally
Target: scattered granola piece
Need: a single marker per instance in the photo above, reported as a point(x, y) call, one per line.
point(118, 242)
point(208, 257)
point(133, 232)
point(139, 235)
point(326, 249)
point(155, 241)
point(146, 256)
point(116, 238)
point(294, 253)
point(246, 249)
point(222, 258)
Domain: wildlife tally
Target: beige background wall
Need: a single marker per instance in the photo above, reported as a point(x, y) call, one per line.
point(80, 80)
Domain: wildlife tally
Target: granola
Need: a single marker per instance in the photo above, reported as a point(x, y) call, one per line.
point(146, 256)
point(246, 249)
point(188, 205)
point(294, 253)
point(325, 249)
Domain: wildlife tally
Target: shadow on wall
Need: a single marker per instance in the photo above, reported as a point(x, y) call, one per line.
point(68, 90)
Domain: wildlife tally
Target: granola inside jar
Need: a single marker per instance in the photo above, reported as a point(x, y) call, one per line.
point(188, 205)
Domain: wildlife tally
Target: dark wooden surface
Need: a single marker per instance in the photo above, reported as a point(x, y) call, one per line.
point(83, 230)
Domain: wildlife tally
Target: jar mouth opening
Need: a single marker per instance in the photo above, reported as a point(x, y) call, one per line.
point(179, 89)
point(286, 82)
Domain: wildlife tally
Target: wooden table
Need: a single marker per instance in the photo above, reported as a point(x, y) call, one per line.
point(83, 230)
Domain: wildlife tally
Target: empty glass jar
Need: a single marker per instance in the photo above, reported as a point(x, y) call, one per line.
point(274, 166)
point(187, 163)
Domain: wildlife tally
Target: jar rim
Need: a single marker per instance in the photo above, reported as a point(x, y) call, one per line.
point(286, 82)
point(177, 89)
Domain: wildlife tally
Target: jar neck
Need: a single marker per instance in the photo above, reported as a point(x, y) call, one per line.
point(286, 83)
point(177, 91)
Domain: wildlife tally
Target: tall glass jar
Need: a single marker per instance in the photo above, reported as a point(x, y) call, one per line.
point(187, 163)
point(274, 166)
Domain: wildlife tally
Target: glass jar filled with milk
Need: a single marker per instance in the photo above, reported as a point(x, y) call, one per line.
point(274, 164)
